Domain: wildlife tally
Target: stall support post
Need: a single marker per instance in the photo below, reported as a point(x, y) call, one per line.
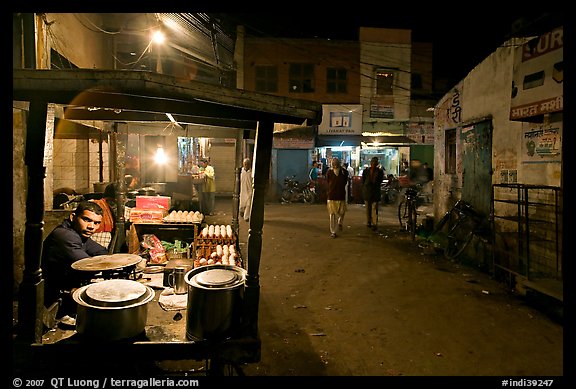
point(119, 160)
point(31, 290)
point(236, 195)
point(262, 157)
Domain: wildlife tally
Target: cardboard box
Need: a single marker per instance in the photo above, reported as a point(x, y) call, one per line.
point(153, 202)
point(138, 215)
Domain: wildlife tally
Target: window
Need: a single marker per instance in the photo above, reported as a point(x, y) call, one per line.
point(450, 150)
point(266, 78)
point(336, 80)
point(301, 78)
point(533, 80)
point(384, 82)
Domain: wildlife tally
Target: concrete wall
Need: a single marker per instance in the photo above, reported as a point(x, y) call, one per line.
point(388, 49)
point(80, 38)
point(322, 53)
point(485, 94)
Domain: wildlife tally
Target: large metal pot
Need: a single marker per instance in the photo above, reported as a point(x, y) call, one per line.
point(112, 310)
point(215, 294)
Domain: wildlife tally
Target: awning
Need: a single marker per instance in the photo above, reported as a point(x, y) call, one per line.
point(393, 140)
point(338, 140)
point(358, 140)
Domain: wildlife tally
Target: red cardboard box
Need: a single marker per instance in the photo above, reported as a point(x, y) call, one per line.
point(156, 216)
point(153, 202)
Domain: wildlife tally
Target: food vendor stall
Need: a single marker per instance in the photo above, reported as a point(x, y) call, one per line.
point(142, 96)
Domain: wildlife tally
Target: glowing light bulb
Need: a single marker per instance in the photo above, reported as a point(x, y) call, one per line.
point(160, 157)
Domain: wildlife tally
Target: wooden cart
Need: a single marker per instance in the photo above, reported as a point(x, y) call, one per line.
point(142, 96)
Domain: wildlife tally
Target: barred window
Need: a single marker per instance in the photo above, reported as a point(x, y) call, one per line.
point(384, 82)
point(336, 80)
point(266, 78)
point(301, 78)
point(450, 150)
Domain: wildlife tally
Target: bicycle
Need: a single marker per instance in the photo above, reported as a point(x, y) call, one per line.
point(459, 225)
point(407, 211)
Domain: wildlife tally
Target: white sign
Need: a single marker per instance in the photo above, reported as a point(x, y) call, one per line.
point(341, 120)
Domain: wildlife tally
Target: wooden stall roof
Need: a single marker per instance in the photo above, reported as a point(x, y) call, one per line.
point(120, 95)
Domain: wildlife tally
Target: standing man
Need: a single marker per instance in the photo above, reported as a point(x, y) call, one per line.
point(313, 175)
point(209, 189)
point(372, 178)
point(66, 244)
point(350, 171)
point(246, 190)
point(336, 182)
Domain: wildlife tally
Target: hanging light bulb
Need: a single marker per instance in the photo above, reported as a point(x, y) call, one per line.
point(158, 37)
point(160, 157)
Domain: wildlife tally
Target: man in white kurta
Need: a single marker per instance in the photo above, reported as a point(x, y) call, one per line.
point(246, 190)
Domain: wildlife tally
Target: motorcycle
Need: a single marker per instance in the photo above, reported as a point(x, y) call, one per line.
point(296, 192)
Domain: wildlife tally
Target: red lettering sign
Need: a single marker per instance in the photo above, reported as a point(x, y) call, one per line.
point(548, 42)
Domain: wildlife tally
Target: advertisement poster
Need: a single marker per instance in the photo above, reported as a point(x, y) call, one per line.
point(542, 145)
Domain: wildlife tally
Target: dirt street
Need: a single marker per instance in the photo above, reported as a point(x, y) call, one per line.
point(374, 304)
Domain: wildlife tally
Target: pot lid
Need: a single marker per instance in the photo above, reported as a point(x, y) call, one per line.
point(216, 277)
point(117, 292)
point(106, 262)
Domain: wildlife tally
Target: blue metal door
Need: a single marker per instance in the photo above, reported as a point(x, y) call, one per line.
point(292, 162)
point(476, 146)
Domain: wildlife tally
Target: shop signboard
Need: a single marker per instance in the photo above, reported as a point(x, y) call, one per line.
point(538, 80)
point(341, 119)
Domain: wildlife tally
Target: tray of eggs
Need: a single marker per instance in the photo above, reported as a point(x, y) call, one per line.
point(184, 217)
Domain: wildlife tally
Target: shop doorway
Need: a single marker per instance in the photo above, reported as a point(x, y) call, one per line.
point(292, 162)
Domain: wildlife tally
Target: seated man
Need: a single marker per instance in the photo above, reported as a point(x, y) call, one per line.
point(67, 243)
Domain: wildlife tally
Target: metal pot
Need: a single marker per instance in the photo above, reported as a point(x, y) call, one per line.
point(112, 310)
point(159, 187)
point(215, 294)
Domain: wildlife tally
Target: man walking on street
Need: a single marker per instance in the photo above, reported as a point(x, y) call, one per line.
point(337, 181)
point(372, 178)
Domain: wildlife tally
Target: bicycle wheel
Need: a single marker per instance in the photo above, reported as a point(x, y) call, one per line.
point(411, 220)
point(403, 213)
point(459, 236)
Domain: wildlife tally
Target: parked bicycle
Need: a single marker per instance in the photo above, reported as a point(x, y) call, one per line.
point(407, 211)
point(458, 226)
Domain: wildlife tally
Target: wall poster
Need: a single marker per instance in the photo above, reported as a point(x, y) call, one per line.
point(542, 145)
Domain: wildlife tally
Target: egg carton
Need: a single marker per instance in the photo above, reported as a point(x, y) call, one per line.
point(182, 222)
point(218, 261)
point(207, 240)
point(206, 249)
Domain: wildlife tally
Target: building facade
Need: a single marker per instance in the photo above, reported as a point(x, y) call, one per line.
point(498, 145)
point(366, 88)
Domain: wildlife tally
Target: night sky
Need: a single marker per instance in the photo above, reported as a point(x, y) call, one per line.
point(461, 40)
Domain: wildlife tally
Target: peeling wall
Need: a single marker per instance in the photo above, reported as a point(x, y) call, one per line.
point(484, 93)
